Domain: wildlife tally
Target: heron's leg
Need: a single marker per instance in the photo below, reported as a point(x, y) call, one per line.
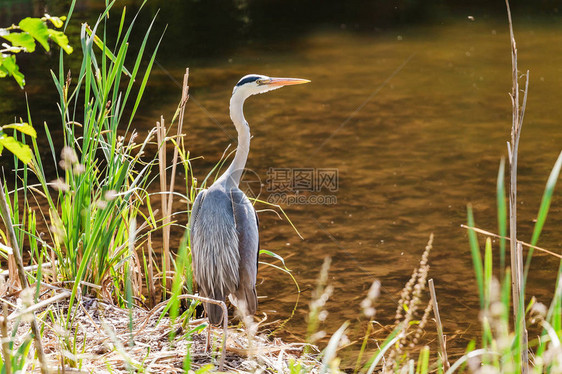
point(208, 342)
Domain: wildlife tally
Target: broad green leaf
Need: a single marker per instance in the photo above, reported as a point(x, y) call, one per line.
point(61, 39)
point(21, 151)
point(36, 28)
point(21, 39)
point(56, 21)
point(25, 128)
point(3, 72)
point(10, 67)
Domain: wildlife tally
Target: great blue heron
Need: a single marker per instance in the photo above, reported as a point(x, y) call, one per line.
point(223, 222)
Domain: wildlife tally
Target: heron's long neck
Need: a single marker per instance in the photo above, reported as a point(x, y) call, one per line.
point(234, 171)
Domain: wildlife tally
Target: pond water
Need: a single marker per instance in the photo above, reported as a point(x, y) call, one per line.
point(413, 119)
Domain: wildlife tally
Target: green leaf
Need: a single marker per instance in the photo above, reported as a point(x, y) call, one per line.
point(21, 151)
point(36, 28)
point(56, 21)
point(10, 67)
point(25, 128)
point(21, 39)
point(61, 39)
point(274, 255)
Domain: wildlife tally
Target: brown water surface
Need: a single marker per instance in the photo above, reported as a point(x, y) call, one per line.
point(415, 122)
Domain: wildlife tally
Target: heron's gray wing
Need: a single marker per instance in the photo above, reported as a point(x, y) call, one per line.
point(214, 248)
point(258, 227)
point(195, 209)
point(192, 221)
point(245, 217)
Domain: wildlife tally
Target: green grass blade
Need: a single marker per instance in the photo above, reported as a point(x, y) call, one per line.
point(145, 80)
point(69, 14)
point(423, 361)
point(330, 352)
point(543, 210)
point(476, 257)
point(502, 212)
point(487, 272)
point(388, 342)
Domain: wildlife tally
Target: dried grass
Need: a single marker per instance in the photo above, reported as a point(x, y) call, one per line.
point(101, 335)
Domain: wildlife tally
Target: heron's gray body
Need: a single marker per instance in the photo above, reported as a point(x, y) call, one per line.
point(225, 246)
point(223, 222)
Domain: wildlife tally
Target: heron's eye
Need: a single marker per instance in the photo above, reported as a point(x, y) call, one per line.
point(260, 82)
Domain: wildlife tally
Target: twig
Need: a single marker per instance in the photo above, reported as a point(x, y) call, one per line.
point(38, 306)
point(30, 268)
point(442, 345)
point(4, 208)
point(481, 231)
point(5, 340)
point(161, 136)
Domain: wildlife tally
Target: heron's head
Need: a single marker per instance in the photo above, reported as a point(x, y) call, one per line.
point(253, 84)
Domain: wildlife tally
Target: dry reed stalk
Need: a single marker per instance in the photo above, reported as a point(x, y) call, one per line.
point(150, 275)
point(516, 251)
point(167, 194)
point(4, 208)
point(13, 270)
point(440, 335)
point(184, 98)
point(166, 261)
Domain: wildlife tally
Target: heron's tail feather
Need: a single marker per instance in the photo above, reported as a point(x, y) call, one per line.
point(246, 300)
point(214, 312)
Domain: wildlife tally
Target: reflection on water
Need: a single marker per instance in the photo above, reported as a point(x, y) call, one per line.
point(415, 122)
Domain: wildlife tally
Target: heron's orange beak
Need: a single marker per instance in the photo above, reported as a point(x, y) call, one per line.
point(286, 81)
